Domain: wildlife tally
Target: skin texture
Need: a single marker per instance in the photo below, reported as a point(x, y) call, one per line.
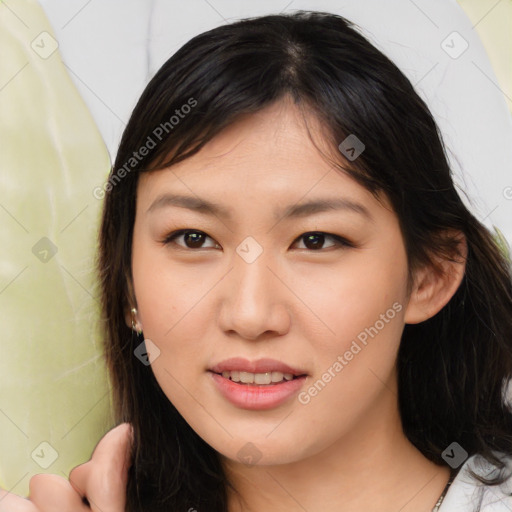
point(303, 306)
point(299, 305)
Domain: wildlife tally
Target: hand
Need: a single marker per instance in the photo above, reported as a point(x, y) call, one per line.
point(48, 493)
point(12, 503)
point(101, 481)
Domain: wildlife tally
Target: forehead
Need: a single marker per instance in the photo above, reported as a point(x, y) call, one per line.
point(266, 156)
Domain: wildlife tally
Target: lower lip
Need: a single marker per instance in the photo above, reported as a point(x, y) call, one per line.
point(257, 397)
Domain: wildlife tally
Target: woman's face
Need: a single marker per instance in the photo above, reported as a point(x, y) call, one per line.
point(274, 281)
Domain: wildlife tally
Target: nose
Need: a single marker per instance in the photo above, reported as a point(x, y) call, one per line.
point(254, 301)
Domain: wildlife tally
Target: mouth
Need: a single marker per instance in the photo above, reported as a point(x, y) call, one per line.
point(257, 385)
point(258, 379)
point(261, 372)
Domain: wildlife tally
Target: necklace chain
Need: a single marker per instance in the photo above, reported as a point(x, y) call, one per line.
point(443, 494)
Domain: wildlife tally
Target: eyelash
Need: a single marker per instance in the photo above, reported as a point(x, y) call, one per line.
point(341, 242)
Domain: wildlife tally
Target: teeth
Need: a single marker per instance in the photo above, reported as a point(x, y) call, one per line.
point(263, 378)
point(246, 377)
point(257, 378)
point(277, 376)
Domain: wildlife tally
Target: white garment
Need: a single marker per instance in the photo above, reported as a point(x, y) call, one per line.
point(466, 494)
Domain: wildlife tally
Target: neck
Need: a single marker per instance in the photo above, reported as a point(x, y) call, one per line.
point(372, 469)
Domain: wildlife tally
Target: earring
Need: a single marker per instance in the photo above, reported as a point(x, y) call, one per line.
point(134, 322)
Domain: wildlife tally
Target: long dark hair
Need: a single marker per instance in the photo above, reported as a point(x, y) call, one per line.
point(452, 369)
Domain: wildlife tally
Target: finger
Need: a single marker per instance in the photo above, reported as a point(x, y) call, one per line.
point(103, 479)
point(53, 493)
point(12, 503)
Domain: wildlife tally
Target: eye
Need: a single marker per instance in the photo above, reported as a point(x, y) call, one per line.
point(195, 239)
point(192, 239)
point(315, 241)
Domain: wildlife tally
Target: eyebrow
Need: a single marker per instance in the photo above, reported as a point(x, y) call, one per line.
point(293, 211)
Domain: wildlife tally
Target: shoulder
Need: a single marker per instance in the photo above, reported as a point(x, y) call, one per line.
point(466, 494)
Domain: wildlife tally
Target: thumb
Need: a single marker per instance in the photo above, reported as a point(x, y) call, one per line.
point(102, 480)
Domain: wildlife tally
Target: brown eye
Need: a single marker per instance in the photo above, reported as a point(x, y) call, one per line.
point(315, 241)
point(191, 239)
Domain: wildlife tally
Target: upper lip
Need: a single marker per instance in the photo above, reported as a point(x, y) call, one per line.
point(259, 366)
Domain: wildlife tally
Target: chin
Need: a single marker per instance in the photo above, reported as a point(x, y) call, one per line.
point(260, 451)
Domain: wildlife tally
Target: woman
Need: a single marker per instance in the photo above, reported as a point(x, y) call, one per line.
point(300, 311)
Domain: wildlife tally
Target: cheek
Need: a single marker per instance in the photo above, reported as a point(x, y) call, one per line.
point(362, 308)
point(176, 315)
point(167, 293)
point(355, 297)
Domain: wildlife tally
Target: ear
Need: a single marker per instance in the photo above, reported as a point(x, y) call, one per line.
point(433, 287)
